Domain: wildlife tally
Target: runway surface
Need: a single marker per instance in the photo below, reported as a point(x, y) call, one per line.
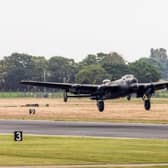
point(99, 129)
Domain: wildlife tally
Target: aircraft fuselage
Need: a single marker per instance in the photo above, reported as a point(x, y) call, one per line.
point(117, 92)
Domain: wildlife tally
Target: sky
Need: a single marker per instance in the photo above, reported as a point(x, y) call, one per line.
point(76, 28)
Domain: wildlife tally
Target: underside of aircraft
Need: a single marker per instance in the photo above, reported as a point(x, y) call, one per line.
point(124, 87)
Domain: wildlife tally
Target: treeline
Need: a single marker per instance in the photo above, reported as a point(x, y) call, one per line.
point(93, 69)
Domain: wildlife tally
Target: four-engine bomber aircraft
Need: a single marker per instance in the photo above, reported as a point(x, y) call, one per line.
point(124, 87)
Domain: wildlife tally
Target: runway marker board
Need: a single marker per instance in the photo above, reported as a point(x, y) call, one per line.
point(18, 136)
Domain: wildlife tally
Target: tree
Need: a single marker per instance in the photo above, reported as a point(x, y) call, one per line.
point(40, 71)
point(89, 60)
point(112, 58)
point(17, 67)
point(116, 71)
point(93, 74)
point(2, 74)
point(144, 71)
point(62, 69)
point(152, 62)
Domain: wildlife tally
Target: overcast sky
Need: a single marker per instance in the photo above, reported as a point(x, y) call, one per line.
point(75, 28)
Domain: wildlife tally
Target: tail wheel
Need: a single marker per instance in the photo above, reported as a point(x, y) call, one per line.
point(100, 105)
point(147, 104)
point(65, 97)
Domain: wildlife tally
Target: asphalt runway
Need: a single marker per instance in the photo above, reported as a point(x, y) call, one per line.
point(98, 129)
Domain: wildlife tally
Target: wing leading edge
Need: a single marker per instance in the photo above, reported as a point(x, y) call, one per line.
point(63, 86)
point(154, 85)
point(160, 85)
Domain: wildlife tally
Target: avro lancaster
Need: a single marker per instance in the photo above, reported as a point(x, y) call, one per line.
point(127, 86)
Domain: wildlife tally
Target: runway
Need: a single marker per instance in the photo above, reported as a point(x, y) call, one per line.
point(98, 129)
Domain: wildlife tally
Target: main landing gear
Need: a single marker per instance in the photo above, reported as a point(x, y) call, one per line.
point(65, 97)
point(129, 97)
point(147, 103)
point(100, 105)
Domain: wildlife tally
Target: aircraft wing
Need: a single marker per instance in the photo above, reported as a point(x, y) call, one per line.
point(63, 86)
point(160, 85)
point(148, 88)
point(47, 84)
point(154, 85)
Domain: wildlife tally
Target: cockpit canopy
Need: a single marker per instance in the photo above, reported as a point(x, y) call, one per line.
point(129, 77)
point(105, 81)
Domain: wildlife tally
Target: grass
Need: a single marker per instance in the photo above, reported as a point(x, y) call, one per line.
point(29, 94)
point(43, 150)
point(119, 110)
point(136, 167)
point(58, 94)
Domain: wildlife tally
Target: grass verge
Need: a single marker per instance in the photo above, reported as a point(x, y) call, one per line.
point(43, 150)
point(118, 110)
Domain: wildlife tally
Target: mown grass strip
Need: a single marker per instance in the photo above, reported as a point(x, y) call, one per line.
point(42, 150)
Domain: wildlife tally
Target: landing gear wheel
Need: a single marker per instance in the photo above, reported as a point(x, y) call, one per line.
point(129, 98)
point(65, 97)
point(100, 105)
point(147, 104)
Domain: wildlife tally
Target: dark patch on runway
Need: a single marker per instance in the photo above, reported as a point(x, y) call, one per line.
point(100, 129)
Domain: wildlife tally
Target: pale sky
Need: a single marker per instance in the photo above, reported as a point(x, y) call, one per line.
point(75, 28)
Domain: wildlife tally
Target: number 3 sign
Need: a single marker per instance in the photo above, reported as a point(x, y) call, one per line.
point(18, 135)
